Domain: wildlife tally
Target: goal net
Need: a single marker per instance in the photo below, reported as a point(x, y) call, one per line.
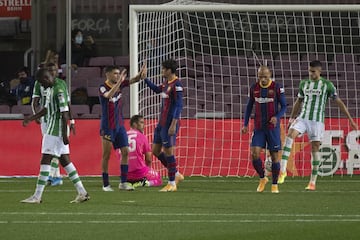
point(219, 49)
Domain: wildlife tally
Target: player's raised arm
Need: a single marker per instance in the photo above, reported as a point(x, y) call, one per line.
point(140, 75)
point(115, 88)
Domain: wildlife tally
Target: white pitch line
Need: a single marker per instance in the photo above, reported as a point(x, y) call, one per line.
point(182, 214)
point(181, 221)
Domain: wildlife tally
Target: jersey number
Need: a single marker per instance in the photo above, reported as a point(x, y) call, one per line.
point(132, 142)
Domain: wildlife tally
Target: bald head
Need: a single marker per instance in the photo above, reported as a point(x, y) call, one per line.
point(264, 75)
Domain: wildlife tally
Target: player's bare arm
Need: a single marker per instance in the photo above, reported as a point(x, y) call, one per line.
point(140, 75)
point(35, 107)
point(345, 111)
point(172, 128)
point(38, 115)
point(296, 108)
point(116, 87)
point(64, 119)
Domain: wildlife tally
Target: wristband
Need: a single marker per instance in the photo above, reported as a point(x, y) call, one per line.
point(72, 121)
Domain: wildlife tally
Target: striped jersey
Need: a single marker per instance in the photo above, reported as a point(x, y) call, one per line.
point(266, 100)
point(111, 109)
point(40, 92)
point(56, 103)
point(315, 95)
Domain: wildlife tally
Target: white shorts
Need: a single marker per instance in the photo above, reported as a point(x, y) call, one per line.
point(54, 145)
point(314, 129)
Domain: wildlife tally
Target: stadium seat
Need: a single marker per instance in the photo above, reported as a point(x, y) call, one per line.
point(24, 109)
point(4, 109)
point(122, 61)
point(101, 61)
point(84, 73)
point(79, 110)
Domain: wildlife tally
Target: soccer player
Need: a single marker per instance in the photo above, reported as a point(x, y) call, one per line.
point(112, 130)
point(312, 98)
point(267, 95)
point(55, 141)
point(38, 102)
point(140, 171)
point(171, 92)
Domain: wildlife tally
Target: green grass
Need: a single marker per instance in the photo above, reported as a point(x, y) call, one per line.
point(203, 208)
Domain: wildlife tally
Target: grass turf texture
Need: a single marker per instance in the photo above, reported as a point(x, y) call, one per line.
point(203, 208)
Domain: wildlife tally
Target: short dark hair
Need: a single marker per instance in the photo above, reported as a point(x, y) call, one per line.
point(111, 68)
point(23, 69)
point(315, 63)
point(40, 73)
point(170, 64)
point(135, 119)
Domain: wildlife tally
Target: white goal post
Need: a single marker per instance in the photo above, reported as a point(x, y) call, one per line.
point(218, 48)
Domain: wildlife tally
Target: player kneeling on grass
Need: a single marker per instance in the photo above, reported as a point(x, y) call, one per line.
point(55, 141)
point(266, 95)
point(140, 172)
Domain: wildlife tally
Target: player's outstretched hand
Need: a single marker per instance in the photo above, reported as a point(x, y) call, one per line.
point(244, 130)
point(143, 72)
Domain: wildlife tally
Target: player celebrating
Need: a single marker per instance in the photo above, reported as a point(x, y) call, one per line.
point(266, 95)
point(55, 141)
point(112, 129)
point(313, 95)
point(140, 171)
point(165, 132)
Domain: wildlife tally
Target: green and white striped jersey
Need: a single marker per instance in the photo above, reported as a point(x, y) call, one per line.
point(56, 103)
point(40, 91)
point(315, 95)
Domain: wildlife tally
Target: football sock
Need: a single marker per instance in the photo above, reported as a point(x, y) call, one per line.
point(257, 163)
point(286, 153)
point(275, 169)
point(314, 166)
point(124, 172)
point(162, 159)
point(54, 167)
point(105, 178)
point(171, 165)
point(74, 177)
point(42, 180)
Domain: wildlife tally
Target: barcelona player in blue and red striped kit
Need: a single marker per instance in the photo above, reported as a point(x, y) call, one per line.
point(171, 92)
point(112, 128)
point(266, 95)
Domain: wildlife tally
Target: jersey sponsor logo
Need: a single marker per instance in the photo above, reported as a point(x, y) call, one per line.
point(164, 95)
point(312, 92)
point(264, 100)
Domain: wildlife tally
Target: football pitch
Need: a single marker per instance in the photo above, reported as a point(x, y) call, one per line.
point(202, 208)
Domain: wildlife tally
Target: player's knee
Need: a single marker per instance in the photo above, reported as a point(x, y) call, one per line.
point(255, 155)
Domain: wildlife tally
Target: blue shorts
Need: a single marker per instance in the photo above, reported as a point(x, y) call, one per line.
point(118, 137)
point(270, 136)
point(161, 136)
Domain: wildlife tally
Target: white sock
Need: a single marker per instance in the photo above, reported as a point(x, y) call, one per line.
point(75, 179)
point(42, 180)
point(314, 167)
point(172, 183)
point(286, 153)
point(55, 171)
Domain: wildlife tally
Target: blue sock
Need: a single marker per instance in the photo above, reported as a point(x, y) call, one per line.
point(162, 159)
point(105, 177)
point(171, 165)
point(275, 168)
point(124, 172)
point(257, 163)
